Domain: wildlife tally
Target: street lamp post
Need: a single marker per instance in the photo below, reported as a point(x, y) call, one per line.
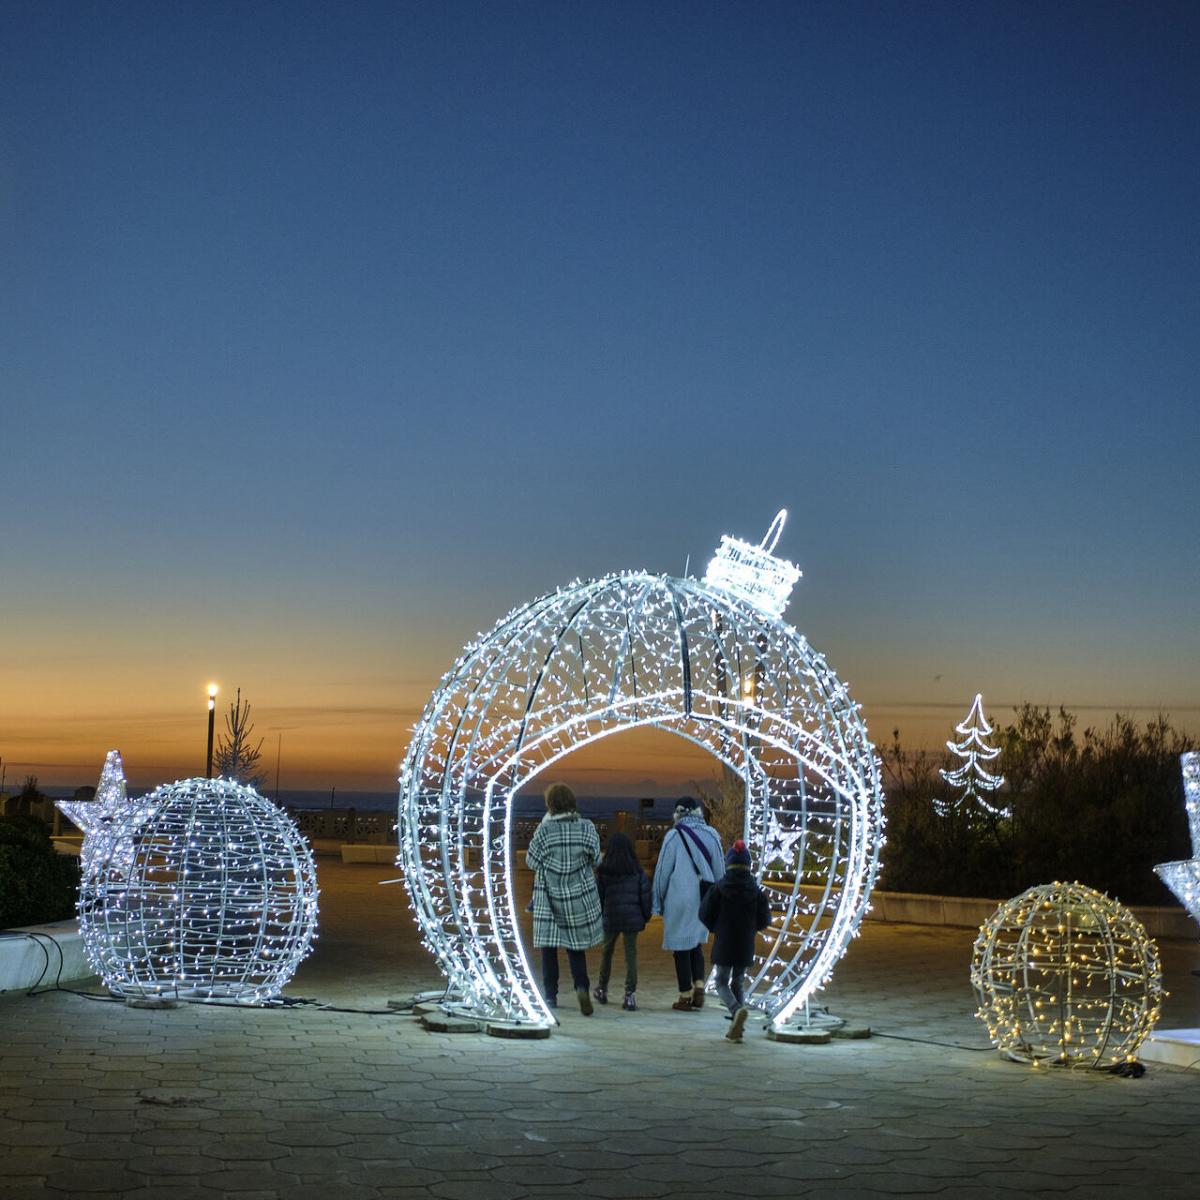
point(212, 716)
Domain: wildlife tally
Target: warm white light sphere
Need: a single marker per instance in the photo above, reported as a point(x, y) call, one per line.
point(1066, 975)
point(202, 890)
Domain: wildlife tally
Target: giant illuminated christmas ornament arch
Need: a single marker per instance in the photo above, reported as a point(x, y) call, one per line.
point(710, 660)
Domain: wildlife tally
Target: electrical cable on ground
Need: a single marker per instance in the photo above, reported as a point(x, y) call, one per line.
point(1125, 1070)
point(899, 1037)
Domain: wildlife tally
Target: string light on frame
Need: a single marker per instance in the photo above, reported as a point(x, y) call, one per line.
point(1067, 976)
point(202, 890)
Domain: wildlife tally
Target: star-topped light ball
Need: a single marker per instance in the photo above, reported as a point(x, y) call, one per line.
point(201, 890)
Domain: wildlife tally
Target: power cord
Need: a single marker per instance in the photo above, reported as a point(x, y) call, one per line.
point(899, 1037)
point(1125, 1070)
point(42, 941)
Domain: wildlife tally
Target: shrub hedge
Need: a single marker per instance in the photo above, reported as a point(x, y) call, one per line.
point(36, 883)
point(1103, 808)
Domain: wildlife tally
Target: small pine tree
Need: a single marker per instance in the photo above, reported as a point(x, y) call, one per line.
point(235, 757)
point(976, 782)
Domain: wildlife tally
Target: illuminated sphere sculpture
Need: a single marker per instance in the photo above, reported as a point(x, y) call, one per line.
point(201, 890)
point(1065, 975)
point(709, 660)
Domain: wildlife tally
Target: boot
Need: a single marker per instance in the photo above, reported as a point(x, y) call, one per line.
point(601, 994)
point(698, 995)
point(739, 1023)
point(684, 1003)
point(629, 1004)
point(585, 1001)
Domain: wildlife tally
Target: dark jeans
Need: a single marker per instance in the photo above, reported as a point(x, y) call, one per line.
point(606, 957)
point(579, 976)
point(689, 968)
point(730, 981)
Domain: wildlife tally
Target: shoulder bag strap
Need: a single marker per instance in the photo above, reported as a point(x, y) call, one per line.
point(695, 837)
point(688, 851)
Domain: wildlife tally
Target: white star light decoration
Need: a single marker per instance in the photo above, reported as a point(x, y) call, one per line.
point(1183, 877)
point(779, 844)
point(102, 819)
point(709, 660)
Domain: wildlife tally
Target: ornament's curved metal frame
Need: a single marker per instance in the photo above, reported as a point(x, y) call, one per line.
point(603, 657)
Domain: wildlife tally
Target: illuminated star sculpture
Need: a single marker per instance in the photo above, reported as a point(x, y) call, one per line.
point(97, 818)
point(1183, 877)
point(779, 845)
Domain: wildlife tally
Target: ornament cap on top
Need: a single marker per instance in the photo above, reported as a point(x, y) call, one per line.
point(754, 573)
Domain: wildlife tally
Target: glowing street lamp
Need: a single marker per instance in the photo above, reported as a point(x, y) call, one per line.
point(212, 716)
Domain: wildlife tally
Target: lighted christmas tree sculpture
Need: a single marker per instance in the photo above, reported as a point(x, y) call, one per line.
point(976, 782)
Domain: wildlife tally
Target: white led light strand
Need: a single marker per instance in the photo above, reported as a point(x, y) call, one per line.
point(1068, 976)
point(601, 657)
point(201, 890)
point(1183, 877)
point(971, 776)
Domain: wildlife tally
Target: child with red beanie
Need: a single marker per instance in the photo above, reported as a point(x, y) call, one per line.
point(735, 908)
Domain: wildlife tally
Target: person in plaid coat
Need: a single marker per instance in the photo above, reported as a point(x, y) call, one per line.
point(564, 852)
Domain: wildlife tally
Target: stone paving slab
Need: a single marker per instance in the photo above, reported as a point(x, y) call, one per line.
point(198, 1102)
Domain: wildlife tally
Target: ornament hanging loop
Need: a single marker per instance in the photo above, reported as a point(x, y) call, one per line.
point(776, 528)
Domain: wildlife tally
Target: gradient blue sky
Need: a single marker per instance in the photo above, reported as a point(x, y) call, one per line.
point(330, 332)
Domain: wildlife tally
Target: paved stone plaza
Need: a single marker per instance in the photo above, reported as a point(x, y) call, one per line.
point(195, 1102)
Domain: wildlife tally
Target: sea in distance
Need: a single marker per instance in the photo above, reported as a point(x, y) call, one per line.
point(528, 803)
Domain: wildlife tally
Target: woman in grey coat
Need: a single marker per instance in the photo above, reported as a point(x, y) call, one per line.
point(564, 851)
point(691, 852)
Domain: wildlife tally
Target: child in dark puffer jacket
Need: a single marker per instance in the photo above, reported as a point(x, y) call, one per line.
point(625, 899)
point(735, 908)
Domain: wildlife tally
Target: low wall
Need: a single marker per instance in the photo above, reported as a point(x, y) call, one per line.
point(47, 954)
point(970, 912)
point(368, 854)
